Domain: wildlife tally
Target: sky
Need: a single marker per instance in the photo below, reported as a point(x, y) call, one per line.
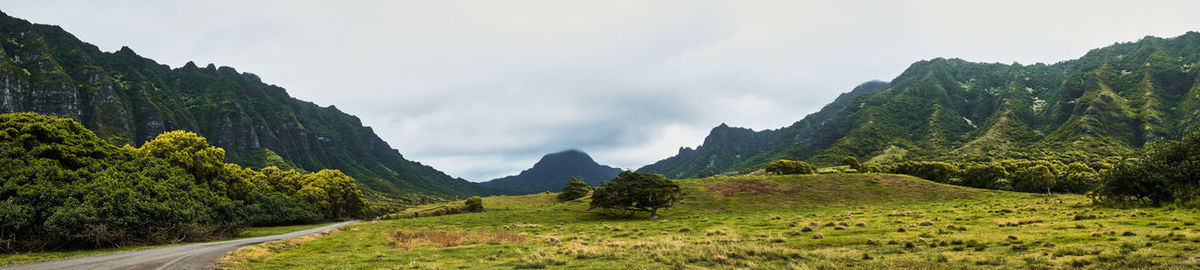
point(483, 89)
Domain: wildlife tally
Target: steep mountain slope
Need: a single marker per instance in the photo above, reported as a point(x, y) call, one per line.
point(727, 147)
point(1109, 102)
point(552, 171)
point(128, 99)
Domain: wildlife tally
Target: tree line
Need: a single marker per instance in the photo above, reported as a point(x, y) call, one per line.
point(1166, 172)
point(65, 187)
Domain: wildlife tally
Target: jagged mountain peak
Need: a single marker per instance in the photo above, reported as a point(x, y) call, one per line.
point(1107, 102)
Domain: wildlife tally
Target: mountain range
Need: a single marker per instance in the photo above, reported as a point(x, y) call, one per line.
point(552, 172)
point(128, 99)
point(1109, 102)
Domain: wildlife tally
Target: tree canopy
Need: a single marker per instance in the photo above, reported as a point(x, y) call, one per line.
point(575, 189)
point(63, 186)
point(636, 192)
point(784, 166)
point(1168, 172)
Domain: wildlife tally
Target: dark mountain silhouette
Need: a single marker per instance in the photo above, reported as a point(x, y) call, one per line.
point(552, 172)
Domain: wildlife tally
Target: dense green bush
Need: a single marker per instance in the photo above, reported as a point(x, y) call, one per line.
point(852, 162)
point(984, 176)
point(277, 208)
point(636, 192)
point(873, 168)
point(63, 186)
point(334, 193)
point(1034, 179)
point(1079, 178)
point(575, 189)
point(940, 172)
point(784, 166)
point(1019, 175)
point(1168, 173)
point(473, 204)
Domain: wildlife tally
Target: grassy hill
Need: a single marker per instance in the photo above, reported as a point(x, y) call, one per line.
point(772, 222)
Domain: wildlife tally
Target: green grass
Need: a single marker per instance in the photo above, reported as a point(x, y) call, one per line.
point(760, 222)
point(20, 258)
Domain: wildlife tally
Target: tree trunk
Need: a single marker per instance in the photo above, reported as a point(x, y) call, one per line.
point(654, 213)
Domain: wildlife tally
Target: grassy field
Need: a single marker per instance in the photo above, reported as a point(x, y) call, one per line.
point(772, 222)
point(19, 258)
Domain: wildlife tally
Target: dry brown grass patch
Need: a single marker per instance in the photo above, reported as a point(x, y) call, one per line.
point(409, 239)
point(753, 186)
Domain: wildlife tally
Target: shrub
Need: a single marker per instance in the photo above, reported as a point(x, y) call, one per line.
point(784, 166)
point(940, 172)
point(852, 162)
point(575, 189)
point(1038, 178)
point(1078, 178)
point(983, 175)
point(277, 208)
point(1167, 173)
point(872, 168)
point(335, 193)
point(474, 204)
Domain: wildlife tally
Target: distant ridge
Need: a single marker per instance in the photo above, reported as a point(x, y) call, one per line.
point(552, 172)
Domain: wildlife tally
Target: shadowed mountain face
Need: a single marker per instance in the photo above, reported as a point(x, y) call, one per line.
point(1109, 102)
point(552, 172)
point(128, 99)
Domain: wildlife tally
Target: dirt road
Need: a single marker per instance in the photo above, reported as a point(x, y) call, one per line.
point(193, 256)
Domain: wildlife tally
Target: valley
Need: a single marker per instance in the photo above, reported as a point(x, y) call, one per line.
point(867, 221)
point(112, 160)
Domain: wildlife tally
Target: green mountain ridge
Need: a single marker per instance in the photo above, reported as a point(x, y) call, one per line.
point(127, 99)
point(1109, 102)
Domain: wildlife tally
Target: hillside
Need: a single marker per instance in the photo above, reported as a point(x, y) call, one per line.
point(731, 147)
point(1109, 102)
point(552, 172)
point(854, 221)
point(127, 99)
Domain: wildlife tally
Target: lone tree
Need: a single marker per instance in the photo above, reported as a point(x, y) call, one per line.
point(636, 192)
point(575, 189)
point(473, 204)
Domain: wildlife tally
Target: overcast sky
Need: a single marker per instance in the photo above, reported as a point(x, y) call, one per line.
point(482, 89)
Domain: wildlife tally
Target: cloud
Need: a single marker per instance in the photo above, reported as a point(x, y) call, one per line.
point(482, 89)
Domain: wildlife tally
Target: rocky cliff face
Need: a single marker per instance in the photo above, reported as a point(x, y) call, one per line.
point(1109, 102)
point(728, 149)
point(128, 99)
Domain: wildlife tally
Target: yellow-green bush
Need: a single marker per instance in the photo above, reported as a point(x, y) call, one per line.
point(63, 186)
